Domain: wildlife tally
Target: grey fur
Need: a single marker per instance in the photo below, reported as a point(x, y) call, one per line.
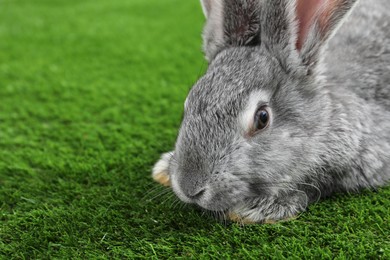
point(330, 109)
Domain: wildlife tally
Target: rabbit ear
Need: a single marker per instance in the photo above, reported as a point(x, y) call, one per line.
point(279, 29)
point(206, 6)
point(230, 23)
point(305, 12)
point(317, 23)
point(300, 28)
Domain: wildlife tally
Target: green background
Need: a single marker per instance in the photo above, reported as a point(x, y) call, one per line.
point(91, 93)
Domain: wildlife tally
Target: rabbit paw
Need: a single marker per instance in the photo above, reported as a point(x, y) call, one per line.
point(268, 210)
point(160, 171)
point(234, 217)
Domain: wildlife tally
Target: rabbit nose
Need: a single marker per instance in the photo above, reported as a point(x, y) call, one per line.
point(196, 194)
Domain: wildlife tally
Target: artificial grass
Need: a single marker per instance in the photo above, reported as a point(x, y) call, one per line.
point(91, 92)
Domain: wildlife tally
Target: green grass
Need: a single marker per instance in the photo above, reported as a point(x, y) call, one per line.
point(91, 92)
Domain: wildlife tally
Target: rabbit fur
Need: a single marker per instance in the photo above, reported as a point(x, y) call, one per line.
point(325, 78)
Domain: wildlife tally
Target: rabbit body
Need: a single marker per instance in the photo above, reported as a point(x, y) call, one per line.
point(358, 56)
point(327, 99)
point(357, 72)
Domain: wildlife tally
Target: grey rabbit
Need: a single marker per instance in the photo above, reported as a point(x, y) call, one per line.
point(294, 106)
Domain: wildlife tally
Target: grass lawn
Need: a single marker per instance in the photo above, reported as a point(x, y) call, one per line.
point(91, 92)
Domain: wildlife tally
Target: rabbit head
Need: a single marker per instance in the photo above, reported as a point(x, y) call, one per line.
point(256, 122)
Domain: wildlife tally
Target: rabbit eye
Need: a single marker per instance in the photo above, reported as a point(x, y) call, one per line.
point(262, 118)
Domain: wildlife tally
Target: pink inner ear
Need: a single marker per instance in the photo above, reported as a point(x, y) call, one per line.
point(306, 12)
